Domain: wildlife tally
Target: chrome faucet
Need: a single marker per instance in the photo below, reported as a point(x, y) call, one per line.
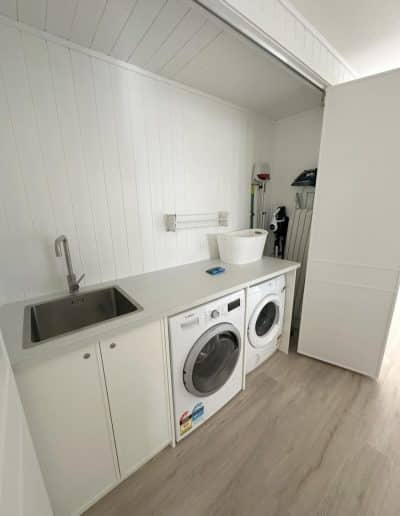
point(73, 283)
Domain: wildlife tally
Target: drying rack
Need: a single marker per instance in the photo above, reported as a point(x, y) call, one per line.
point(177, 222)
point(298, 242)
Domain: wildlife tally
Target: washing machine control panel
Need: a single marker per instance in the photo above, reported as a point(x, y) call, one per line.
point(216, 312)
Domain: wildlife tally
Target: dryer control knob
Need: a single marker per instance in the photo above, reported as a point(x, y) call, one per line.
point(214, 314)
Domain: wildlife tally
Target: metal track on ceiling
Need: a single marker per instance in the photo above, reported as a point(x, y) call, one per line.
point(268, 51)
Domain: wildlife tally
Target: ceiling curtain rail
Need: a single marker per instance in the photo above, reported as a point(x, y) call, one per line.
point(320, 84)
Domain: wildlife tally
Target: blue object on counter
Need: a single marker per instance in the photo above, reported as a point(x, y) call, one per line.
point(215, 270)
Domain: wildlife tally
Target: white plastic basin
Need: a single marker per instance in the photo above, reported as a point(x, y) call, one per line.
point(239, 247)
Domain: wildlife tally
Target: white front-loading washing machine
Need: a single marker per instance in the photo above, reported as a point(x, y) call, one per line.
point(206, 345)
point(265, 309)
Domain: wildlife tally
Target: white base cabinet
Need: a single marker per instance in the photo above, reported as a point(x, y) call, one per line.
point(97, 414)
point(66, 409)
point(134, 367)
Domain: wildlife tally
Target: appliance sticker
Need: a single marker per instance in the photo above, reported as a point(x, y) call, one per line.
point(185, 422)
point(197, 413)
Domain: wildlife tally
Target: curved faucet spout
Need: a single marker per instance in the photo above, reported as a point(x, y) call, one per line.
point(73, 283)
point(57, 244)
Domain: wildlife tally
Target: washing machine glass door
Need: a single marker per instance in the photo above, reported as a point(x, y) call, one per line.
point(264, 322)
point(212, 360)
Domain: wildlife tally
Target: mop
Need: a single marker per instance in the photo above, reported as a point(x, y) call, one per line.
point(261, 175)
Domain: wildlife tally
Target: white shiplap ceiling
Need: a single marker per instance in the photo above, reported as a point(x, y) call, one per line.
point(175, 39)
point(365, 32)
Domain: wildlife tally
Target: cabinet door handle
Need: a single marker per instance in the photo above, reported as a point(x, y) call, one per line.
point(86, 355)
point(113, 345)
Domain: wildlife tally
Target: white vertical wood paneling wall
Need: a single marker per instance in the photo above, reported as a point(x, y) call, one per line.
point(22, 491)
point(282, 22)
point(101, 152)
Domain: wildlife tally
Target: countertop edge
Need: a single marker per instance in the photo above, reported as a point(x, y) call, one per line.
point(105, 330)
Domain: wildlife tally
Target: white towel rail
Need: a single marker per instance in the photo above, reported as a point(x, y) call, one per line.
point(176, 222)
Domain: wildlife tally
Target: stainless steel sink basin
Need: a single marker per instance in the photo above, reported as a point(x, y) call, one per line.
point(68, 314)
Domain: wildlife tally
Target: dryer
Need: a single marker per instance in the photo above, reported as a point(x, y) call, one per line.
point(206, 348)
point(265, 309)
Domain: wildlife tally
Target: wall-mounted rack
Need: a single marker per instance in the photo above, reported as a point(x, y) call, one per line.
point(176, 222)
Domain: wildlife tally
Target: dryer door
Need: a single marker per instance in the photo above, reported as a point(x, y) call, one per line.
point(212, 360)
point(264, 322)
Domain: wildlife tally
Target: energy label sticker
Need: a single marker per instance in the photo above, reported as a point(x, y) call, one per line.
point(185, 422)
point(197, 413)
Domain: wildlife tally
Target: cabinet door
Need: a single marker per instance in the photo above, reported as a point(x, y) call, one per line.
point(134, 366)
point(66, 407)
point(354, 255)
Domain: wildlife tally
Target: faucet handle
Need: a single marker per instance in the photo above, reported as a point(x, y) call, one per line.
point(80, 279)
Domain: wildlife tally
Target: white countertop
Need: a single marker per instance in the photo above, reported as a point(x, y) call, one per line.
point(160, 293)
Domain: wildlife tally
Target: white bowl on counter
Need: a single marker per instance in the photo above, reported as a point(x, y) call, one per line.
point(240, 247)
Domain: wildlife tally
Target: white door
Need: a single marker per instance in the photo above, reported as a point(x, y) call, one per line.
point(135, 371)
point(354, 254)
point(66, 407)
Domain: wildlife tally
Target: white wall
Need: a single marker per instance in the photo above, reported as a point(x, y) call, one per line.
point(100, 152)
point(296, 148)
point(22, 490)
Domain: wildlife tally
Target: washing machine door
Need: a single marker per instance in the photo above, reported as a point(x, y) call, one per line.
point(212, 360)
point(264, 321)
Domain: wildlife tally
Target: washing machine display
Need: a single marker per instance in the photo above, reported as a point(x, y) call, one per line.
point(266, 303)
point(206, 345)
point(212, 360)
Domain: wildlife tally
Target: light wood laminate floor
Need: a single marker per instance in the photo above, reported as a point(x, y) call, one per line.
point(305, 438)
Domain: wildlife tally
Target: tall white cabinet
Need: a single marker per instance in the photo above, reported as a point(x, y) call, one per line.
point(354, 256)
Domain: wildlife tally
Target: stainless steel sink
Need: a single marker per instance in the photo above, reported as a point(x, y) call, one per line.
point(68, 314)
